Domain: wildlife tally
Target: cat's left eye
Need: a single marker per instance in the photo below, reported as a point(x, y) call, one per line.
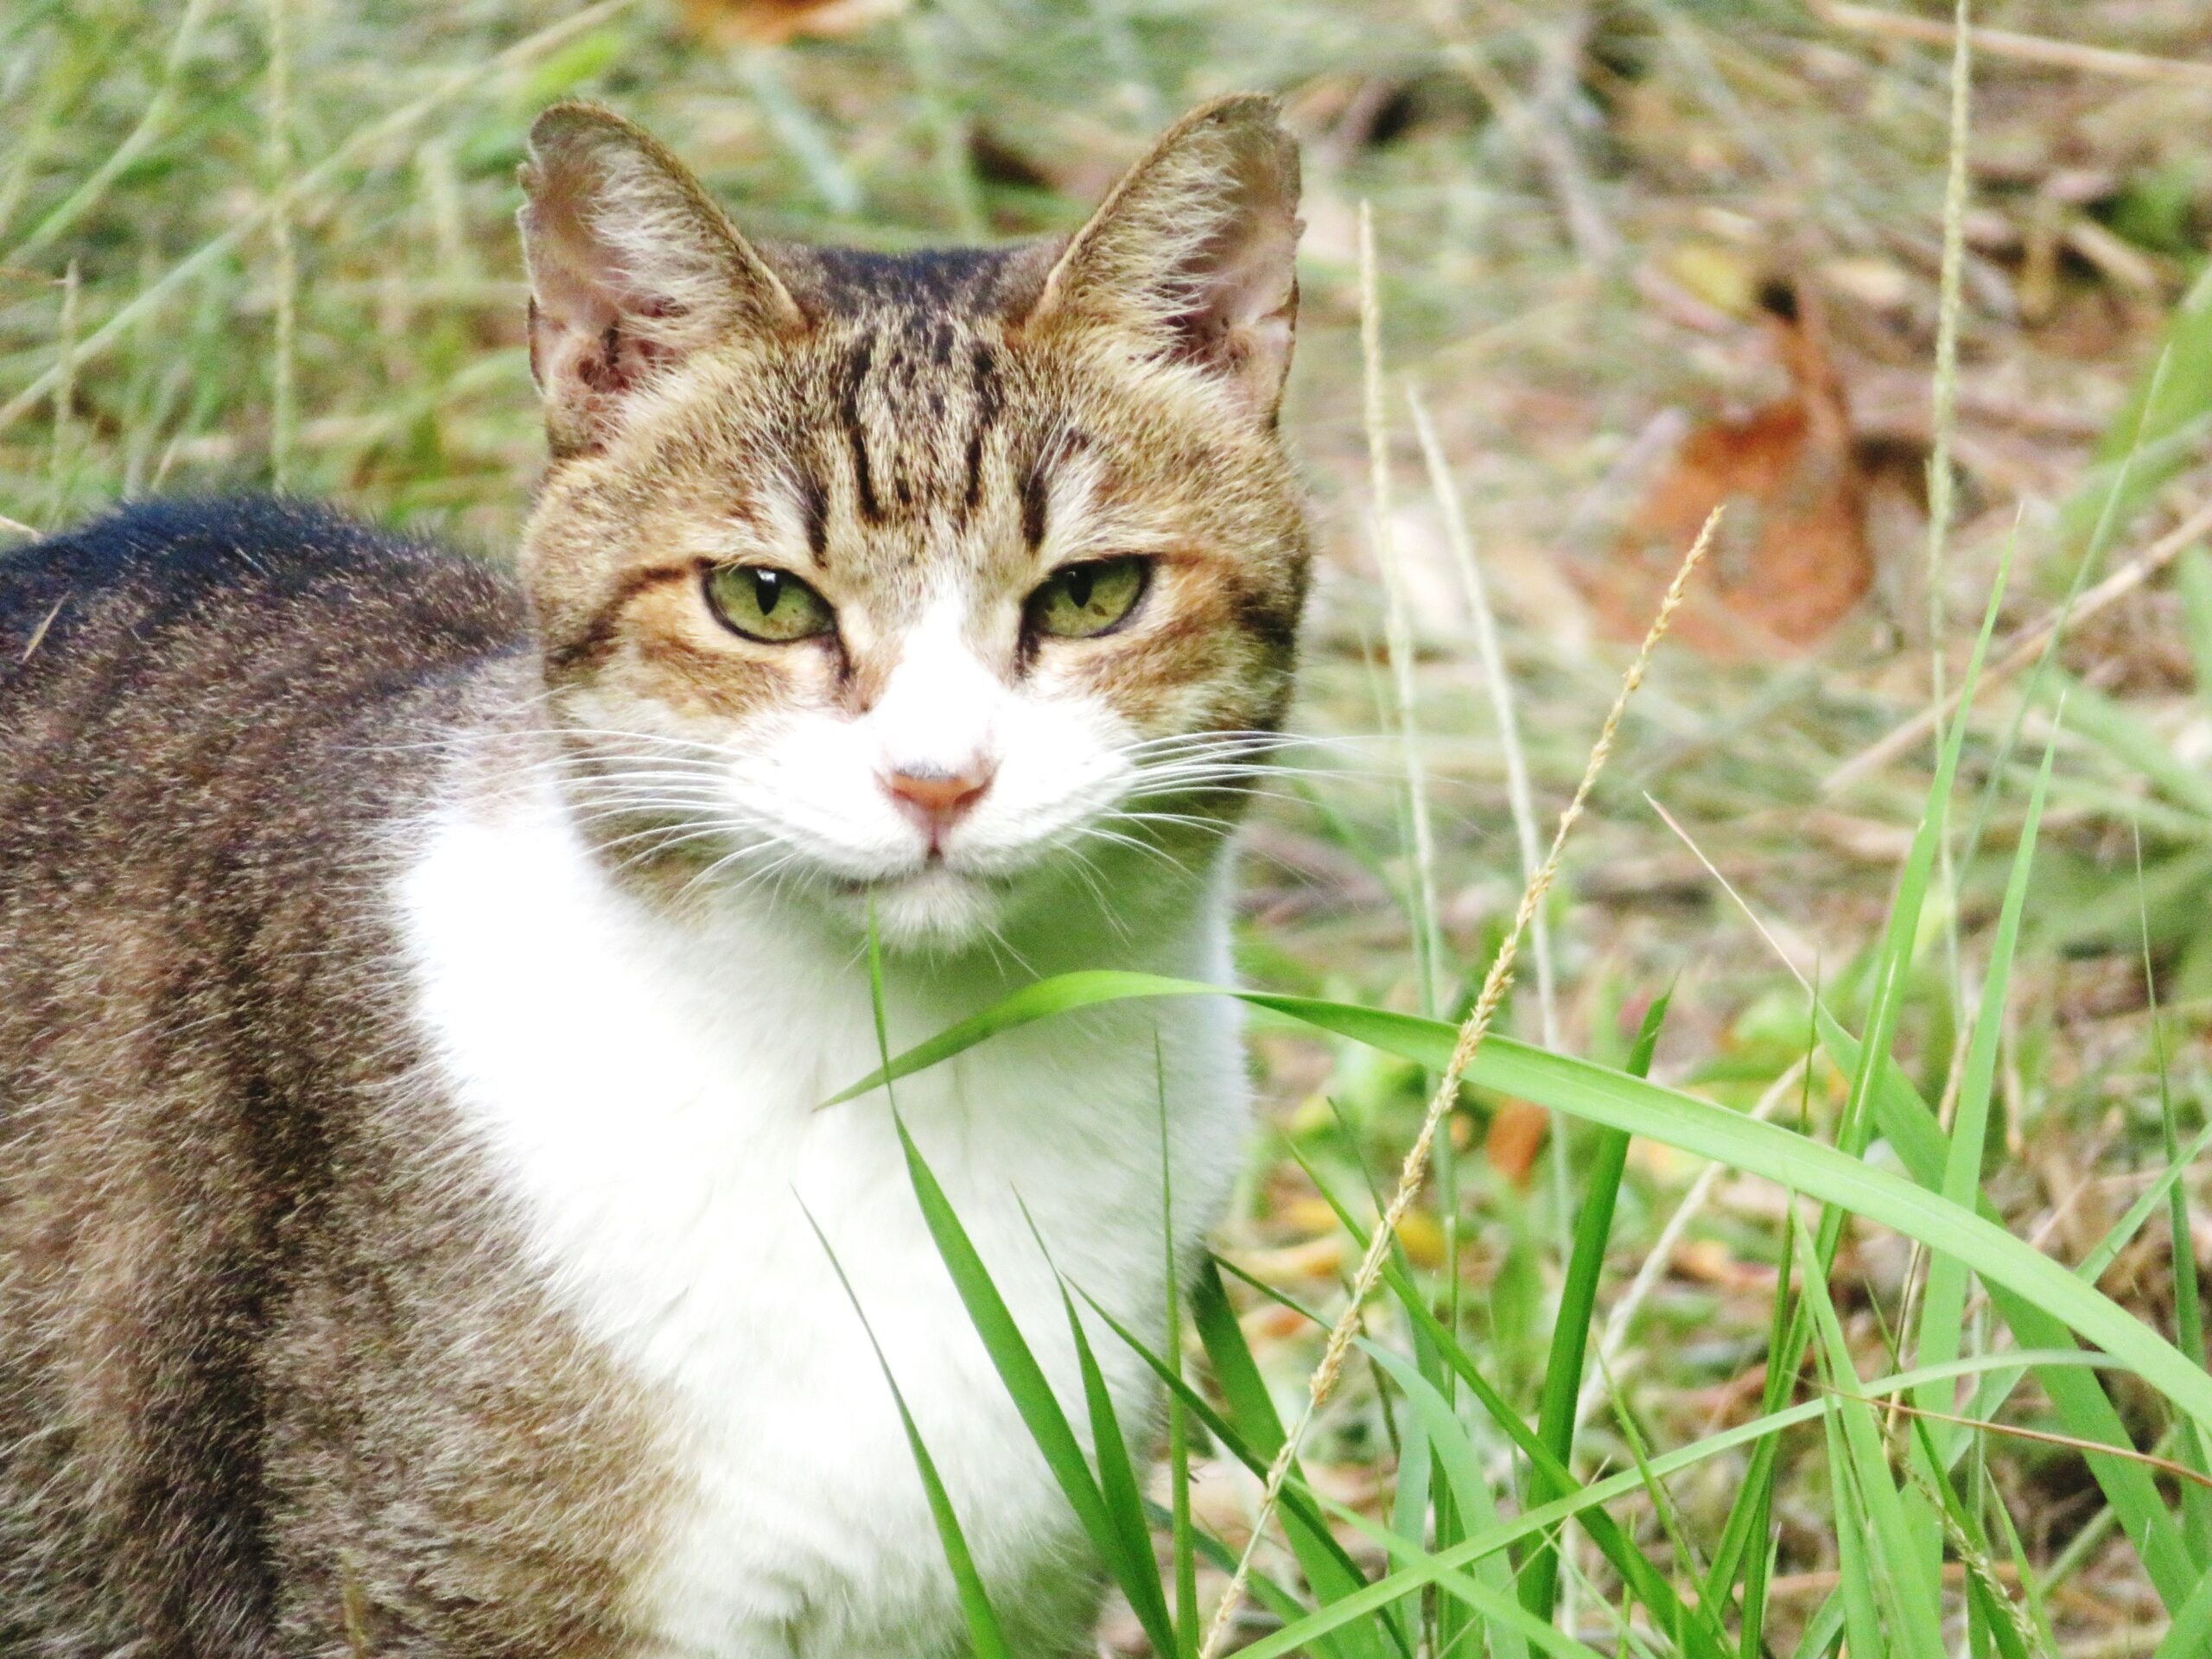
point(1083, 600)
point(768, 604)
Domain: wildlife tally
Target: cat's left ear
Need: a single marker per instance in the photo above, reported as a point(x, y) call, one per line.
point(1194, 253)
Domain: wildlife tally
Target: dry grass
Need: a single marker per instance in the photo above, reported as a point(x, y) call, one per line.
point(223, 266)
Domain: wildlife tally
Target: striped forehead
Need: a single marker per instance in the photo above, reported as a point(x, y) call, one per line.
point(910, 382)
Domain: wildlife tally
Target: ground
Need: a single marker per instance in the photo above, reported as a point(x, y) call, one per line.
point(1633, 259)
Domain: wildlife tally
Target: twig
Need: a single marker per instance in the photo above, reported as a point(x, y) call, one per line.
point(1469, 1042)
point(2027, 646)
point(38, 633)
point(2012, 43)
point(2042, 1437)
point(1729, 887)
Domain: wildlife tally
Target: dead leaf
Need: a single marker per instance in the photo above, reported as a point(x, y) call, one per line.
point(1710, 1260)
point(1270, 1323)
point(1791, 557)
point(1316, 1258)
point(772, 23)
point(1517, 1135)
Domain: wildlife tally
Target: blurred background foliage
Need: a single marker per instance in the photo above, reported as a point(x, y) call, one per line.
point(1635, 257)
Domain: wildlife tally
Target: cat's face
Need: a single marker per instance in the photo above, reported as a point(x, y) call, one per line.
point(913, 581)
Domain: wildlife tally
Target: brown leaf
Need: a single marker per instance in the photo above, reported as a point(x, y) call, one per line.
point(1314, 1258)
point(1517, 1135)
point(1271, 1322)
point(1711, 1261)
point(1791, 557)
point(770, 23)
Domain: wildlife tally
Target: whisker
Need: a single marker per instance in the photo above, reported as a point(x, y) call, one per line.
point(1102, 833)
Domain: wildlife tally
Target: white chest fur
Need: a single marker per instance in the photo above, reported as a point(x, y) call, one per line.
point(648, 1092)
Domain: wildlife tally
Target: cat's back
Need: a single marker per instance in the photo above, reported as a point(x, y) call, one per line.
point(199, 699)
point(212, 716)
point(169, 626)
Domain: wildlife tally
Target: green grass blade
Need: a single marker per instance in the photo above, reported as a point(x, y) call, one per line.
point(1862, 1621)
point(1637, 1570)
point(1182, 1541)
point(1122, 1495)
point(1600, 1094)
point(1277, 1600)
point(1578, 1299)
point(2046, 1639)
point(1329, 1570)
point(1943, 1308)
point(1446, 1436)
point(1417, 1502)
point(985, 1637)
point(1615, 1544)
point(1822, 1631)
point(1902, 1573)
point(1663, 1502)
point(1022, 1376)
point(1499, 1608)
point(1423, 1569)
point(1759, 1576)
point(1443, 1620)
point(1893, 964)
point(2036, 1322)
point(1900, 937)
point(1109, 1507)
point(1750, 1518)
point(1412, 1491)
point(2189, 1312)
point(2190, 1635)
point(1296, 1505)
point(1539, 1521)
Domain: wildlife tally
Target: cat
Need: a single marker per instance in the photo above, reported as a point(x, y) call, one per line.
point(419, 986)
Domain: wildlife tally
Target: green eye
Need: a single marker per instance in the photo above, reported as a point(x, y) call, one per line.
point(1083, 600)
point(761, 603)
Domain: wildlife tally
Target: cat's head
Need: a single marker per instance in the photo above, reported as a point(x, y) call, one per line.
point(913, 578)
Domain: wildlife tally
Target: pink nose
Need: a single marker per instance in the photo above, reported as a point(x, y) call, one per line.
point(937, 799)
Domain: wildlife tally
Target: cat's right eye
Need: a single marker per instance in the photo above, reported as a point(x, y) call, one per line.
point(767, 604)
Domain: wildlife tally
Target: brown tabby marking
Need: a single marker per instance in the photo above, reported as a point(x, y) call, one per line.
point(257, 1328)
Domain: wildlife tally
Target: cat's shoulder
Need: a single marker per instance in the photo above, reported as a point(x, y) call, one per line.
point(219, 562)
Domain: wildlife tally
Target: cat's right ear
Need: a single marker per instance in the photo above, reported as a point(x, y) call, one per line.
point(631, 269)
